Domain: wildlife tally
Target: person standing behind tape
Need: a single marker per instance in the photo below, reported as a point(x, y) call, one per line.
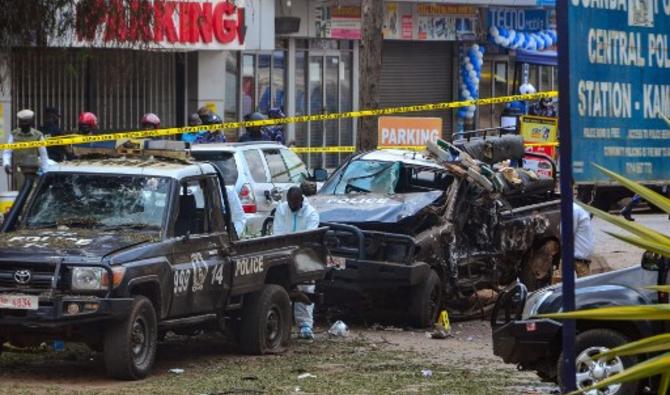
point(25, 163)
point(584, 240)
point(296, 215)
point(254, 133)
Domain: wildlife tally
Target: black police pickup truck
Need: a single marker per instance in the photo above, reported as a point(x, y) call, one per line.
point(114, 252)
point(533, 343)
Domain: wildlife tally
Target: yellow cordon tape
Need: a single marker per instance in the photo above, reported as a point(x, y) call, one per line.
point(142, 134)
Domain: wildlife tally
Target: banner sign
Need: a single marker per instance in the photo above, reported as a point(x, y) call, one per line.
point(429, 22)
point(539, 129)
point(408, 131)
point(619, 59)
point(526, 20)
point(336, 21)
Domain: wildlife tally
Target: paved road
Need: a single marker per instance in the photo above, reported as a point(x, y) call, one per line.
point(617, 253)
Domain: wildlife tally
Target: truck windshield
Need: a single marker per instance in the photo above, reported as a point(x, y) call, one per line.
point(364, 176)
point(99, 200)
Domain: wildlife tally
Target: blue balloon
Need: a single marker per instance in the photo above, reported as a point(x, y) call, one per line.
point(503, 32)
point(473, 58)
point(478, 68)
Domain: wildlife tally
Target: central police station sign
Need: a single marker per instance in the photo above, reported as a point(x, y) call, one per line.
point(620, 88)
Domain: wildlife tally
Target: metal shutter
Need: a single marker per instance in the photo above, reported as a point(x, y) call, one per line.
point(118, 85)
point(418, 73)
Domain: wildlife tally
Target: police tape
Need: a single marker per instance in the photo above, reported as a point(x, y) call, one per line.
point(351, 148)
point(143, 134)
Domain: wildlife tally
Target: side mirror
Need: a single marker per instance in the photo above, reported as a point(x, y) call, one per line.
point(320, 175)
point(651, 261)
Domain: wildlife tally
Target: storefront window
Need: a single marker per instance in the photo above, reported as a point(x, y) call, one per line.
point(545, 78)
point(485, 90)
point(278, 79)
point(230, 105)
point(301, 99)
point(263, 81)
point(500, 85)
point(248, 84)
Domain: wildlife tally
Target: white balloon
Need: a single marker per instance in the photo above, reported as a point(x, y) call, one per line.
point(494, 31)
point(470, 114)
point(475, 47)
point(469, 67)
point(497, 39)
point(512, 35)
point(464, 93)
point(505, 42)
point(476, 81)
point(472, 74)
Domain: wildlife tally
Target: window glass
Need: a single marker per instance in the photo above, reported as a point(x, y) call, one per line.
point(263, 82)
point(545, 78)
point(363, 176)
point(533, 76)
point(248, 84)
point(224, 162)
point(301, 99)
point(485, 90)
point(278, 79)
point(500, 85)
point(296, 168)
point(230, 105)
point(192, 209)
point(278, 170)
point(255, 164)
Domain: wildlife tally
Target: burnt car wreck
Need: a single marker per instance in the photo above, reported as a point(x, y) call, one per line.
point(421, 232)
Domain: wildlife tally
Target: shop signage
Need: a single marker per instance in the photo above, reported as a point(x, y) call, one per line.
point(619, 66)
point(408, 131)
point(161, 24)
point(520, 19)
point(337, 21)
point(539, 130)
point(429, 22)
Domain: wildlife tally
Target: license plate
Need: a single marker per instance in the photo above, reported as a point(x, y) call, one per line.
point(19, 302)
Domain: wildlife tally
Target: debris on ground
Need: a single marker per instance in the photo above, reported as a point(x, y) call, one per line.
point(176, 371)
point(439, 332)
point(426, 373)
point(339, 329)
point(306, 376)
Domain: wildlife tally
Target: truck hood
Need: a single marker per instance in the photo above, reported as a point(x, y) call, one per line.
point(70, 242)
point(372, 208)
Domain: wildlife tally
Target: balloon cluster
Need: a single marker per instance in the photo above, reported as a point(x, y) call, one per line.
point(472, 59)
point(511, 39)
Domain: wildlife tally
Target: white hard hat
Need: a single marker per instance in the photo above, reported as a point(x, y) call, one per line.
point(25, 115)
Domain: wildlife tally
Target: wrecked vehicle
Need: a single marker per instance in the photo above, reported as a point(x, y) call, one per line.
point(534, 343)
point(116, 252)
point(432, 236)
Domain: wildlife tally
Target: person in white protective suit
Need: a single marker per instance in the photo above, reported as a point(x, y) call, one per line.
point(295, 215)
point(236, 211)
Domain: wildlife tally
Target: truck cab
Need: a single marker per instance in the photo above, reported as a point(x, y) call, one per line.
point(114, 251)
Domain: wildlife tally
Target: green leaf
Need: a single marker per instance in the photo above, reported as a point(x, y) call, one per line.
point(663, 385)
point(662, 249)
point(638, 313)
point(632, 227)
point(649, 368)
point(652, 197)
point(651, 344)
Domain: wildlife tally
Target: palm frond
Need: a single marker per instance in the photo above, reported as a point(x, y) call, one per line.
point(652, 197)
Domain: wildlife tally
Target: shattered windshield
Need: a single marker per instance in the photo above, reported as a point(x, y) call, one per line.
point(365, 176)
point(99, 200)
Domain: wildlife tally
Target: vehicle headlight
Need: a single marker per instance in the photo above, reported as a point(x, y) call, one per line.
point(88, 278)
point(95, 278)
point(533, 303)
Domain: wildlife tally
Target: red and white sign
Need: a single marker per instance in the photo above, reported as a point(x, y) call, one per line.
point(194, 24)
point(19, 302)
point(408, 131)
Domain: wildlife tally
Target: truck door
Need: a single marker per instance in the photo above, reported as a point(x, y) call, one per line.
point(200, 265)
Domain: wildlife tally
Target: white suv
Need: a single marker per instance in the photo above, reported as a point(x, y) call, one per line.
point(261, 173)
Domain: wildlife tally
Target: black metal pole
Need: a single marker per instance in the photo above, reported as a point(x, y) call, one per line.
point(567, 236)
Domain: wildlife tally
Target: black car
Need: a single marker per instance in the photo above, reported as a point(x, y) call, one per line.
point(532, 343)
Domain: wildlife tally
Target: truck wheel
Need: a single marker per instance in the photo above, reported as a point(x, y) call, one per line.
point(266, 321)
point(130, 345)
point(592, 342)
point(425, 301)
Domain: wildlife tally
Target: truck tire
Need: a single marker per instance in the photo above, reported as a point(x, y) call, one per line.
point(591, 342)
point(266, 321)
point(425, 301)
point(130, 345)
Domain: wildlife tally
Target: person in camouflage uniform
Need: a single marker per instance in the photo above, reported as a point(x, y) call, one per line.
point(24, 164)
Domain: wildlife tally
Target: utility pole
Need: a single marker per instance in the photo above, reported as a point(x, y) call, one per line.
point(370, 70)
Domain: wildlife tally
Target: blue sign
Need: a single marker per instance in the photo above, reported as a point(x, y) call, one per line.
point(620, 88)
point(519, 19)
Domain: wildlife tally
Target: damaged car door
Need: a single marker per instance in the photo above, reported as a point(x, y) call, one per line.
point(197, 261)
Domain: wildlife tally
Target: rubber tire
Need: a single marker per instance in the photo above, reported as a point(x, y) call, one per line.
point(605, 338)
point(421, 312)
point(117, 352)
point(253, 327)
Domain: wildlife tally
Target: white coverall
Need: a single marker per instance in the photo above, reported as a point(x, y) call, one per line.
point(286, 221)
point(236, 211)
